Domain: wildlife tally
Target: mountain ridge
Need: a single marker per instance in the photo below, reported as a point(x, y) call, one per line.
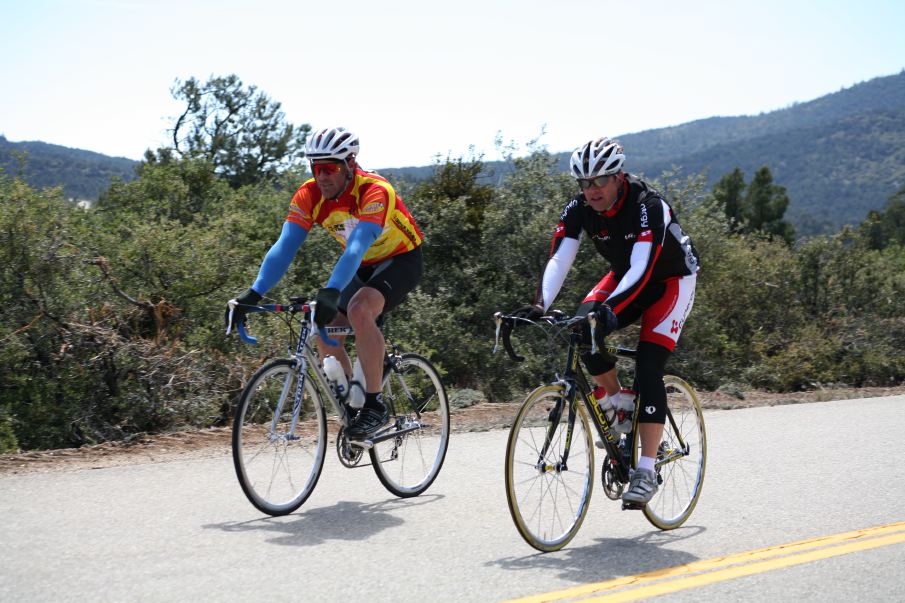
point(839, 155)
point(84, 175)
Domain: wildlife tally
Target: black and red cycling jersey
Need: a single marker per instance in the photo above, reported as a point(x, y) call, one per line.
point(639, 236)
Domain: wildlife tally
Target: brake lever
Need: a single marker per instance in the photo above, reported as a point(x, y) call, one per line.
point(232, 308)
point(504, 329)
point(322, 331)
point(592, 320)
point(498, 319)
point(243, 334)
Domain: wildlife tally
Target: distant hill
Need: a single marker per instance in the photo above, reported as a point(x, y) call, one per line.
point(839, 156)
point(82, 174)
point(835, 173)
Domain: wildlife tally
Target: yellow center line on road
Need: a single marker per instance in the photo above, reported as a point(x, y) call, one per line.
point(700, 573)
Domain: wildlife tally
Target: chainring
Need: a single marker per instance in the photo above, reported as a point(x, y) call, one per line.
point(611, 486)
point(348, 455)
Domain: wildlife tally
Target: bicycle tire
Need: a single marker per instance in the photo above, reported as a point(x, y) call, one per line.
point(278, 471)
point(680, 475)
point(408, 463)
point(548, 504)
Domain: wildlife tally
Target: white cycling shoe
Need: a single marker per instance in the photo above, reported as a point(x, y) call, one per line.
point(642, 487)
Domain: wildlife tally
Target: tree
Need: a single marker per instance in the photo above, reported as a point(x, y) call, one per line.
point(883, 228)
point(761, 209)
point(765, 206)
point(728, 193)
point(240, 130)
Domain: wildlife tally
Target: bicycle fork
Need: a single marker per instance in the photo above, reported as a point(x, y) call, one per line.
point(296, 406)
point(553, 418)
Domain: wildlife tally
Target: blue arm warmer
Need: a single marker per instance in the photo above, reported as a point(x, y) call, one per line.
point(277, 260)
point(362, 238)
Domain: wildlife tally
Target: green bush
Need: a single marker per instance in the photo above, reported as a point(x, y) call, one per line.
point(111, 319)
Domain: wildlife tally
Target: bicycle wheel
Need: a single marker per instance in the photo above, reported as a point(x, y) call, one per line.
point(278, 469)
point(548, 499)
point(680, 469)
point(408, 463)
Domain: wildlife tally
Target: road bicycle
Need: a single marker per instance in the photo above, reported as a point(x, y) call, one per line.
point(550, 451)
point(279, 438)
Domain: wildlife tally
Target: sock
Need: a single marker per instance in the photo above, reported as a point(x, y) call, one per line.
point(646, 462)
point(375, 401)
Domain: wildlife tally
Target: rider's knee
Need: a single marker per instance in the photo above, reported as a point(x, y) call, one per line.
point(364, 307)
point(598, 363)
point(651, 362)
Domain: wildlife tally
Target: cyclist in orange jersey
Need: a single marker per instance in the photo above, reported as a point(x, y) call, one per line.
point(381, 260)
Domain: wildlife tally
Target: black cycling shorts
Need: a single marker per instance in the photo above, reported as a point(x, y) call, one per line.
point(394, 277)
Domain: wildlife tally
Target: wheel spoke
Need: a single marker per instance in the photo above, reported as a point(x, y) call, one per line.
point(408, 463)
point(681, 471)
point(547, 501)
point(277, 472)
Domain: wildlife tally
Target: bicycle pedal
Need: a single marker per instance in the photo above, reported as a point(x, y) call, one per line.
point(366, 444)
point(631, 506)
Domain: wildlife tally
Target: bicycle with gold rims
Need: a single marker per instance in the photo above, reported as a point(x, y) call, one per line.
point(550, 452)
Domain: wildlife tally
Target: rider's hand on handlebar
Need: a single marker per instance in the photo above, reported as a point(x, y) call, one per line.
point(249, 297)
point(608, 321)
point(327, 306)
point(529, 312)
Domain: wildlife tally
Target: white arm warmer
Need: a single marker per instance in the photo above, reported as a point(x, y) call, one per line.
point(557, 269)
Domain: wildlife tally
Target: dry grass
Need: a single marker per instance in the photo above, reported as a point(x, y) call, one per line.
point(208, 443)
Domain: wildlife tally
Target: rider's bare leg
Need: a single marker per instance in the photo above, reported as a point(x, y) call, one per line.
point(608, 381)
point(364, 308)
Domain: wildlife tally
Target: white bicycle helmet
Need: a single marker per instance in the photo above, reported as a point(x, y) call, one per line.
point(600, 157)
point(331, 143)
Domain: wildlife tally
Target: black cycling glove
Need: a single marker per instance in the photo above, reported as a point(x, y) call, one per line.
point(607, 322)
point(530, 312)
point(249, 297)
point(327, 300)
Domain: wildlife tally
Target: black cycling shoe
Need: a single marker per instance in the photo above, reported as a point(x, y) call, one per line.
point(367, 423)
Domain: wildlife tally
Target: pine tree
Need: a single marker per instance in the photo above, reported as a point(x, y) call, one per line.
point(728, 193)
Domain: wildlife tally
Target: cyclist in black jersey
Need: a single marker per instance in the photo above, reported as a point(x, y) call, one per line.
point(653, 270)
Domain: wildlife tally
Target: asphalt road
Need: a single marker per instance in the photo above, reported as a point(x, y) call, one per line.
point(183, 530)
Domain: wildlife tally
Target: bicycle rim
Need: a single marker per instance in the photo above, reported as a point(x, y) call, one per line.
point(278, 469)
point(681, 472)
point(408, 463)
point(547, 501)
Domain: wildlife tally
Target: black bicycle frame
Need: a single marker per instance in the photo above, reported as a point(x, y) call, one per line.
point(576, 383)
point(574, 380)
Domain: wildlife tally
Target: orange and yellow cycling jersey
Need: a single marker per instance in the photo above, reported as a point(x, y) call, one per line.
point(368, 198)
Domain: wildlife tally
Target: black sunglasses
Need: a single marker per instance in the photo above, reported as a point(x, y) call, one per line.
point(586, 183)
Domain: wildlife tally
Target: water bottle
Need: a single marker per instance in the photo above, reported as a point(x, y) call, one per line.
point(336, 376)
point(624, 407)
point(357, 386)
point(606, 405)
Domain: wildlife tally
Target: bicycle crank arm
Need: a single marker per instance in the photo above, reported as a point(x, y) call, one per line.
point(368, 444)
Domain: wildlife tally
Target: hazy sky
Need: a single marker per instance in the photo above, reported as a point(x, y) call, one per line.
point(418, 78)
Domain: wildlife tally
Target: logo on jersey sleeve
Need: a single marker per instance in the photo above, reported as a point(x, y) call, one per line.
point(372, 208)
point(300, 211)
point(299, 214)
point(644, 218)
